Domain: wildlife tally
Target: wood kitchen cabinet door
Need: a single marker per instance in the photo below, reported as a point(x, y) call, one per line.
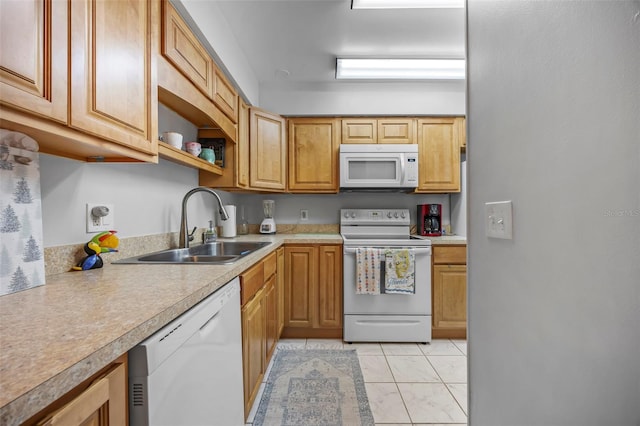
point(330, 286)
point(314, 145)
point(271, 317)
point(280, 288)
point(33, 57)
point(313, 291)
point(184, 50)
point(103, 403)
point(439, 155)
point(462, 132)
point(359, 130)
point(113, 84)
point(267, 151)
point(253, 348)
point(397, 130)
point(450, 296)
point(242, 146)
point(449, 291)
point(224, 95)
point(300, 283)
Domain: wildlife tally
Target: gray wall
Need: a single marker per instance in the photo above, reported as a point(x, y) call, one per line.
point(554, 117)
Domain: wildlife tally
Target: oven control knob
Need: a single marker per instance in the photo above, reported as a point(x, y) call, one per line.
point(402, 215)
point(346, 215)
point(353, 215)
point(395, 215)
point(389, 215)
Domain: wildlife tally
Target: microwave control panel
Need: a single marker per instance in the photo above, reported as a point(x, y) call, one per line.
point(411, 168)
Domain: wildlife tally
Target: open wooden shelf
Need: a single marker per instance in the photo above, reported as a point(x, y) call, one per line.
point(179, 156)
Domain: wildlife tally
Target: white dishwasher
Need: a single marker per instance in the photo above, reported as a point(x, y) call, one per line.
point(190, 372)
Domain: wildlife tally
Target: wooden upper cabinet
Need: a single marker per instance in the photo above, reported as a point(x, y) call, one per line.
point(378, 130)
point(242, 146)
point(313, 154)
point(33, 57)
point(113, 86)
point(185, 51)
point(267, 151)
point(397, 130)
point(462, 132)
point(225, 96)
point(439, 155)
point(359, 130)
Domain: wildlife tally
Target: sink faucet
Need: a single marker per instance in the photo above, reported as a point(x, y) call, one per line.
point(185, 236)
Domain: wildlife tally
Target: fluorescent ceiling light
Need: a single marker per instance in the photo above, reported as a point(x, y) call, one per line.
point(401, 69)
point(406, 4)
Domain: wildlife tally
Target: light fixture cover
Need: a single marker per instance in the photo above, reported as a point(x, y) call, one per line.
point(406, 4)
point(400, 69)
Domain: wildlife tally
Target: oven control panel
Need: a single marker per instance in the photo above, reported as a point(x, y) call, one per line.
point(374, 217)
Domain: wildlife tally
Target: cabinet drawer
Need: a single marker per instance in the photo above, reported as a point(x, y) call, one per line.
point(251, 281)
point(456, 255)
point(270, 265)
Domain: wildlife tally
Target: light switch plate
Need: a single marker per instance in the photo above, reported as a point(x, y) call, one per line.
point(498, 220)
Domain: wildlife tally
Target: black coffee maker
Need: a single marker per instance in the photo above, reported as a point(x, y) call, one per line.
point(430, 220)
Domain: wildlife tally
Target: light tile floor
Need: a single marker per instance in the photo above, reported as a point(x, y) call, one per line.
point(406, 383)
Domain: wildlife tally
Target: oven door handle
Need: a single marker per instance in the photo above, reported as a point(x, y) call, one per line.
point(417, 250)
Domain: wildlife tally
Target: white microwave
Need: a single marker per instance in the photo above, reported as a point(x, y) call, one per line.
point(378, 167)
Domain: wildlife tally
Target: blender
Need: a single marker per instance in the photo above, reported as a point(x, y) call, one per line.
point(268, 225)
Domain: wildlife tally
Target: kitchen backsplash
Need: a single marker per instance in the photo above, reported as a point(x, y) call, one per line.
point(62, 258)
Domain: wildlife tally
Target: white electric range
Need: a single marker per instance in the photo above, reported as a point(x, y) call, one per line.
point(385, 317)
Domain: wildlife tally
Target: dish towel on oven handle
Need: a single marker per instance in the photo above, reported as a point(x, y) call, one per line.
point(399, 271)
point(368, 270)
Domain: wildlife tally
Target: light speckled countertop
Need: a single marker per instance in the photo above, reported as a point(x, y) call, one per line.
point(55, 336)
point(447, 240)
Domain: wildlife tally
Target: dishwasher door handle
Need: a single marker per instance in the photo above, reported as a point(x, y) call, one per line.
point(416, 250)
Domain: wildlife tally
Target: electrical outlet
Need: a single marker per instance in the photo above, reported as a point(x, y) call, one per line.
point(102, 219)
point(304, 214)
point(498, 220)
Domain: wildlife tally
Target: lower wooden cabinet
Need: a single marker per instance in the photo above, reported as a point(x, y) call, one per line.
point(260, 332)
point(101, 401)
point(271, 317)
point(280, 285)
point(449, 291)
point(313, 291)
point(253, 348)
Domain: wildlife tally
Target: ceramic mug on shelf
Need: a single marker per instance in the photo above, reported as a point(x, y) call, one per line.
point(173, 138)
point(208, 155)
point(193, 148)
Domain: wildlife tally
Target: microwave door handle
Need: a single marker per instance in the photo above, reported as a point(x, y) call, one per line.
point(402, 168)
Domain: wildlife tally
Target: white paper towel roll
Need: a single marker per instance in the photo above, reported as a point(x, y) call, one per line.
point(229, 226)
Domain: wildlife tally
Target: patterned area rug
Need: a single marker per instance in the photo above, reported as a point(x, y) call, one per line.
point(314, 388)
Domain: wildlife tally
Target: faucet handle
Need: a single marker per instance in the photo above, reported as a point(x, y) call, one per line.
point(191, 234)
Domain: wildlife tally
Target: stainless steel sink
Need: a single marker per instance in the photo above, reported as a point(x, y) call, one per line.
point(220, 252)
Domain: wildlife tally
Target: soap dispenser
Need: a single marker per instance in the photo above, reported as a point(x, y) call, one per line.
point(210, 234)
